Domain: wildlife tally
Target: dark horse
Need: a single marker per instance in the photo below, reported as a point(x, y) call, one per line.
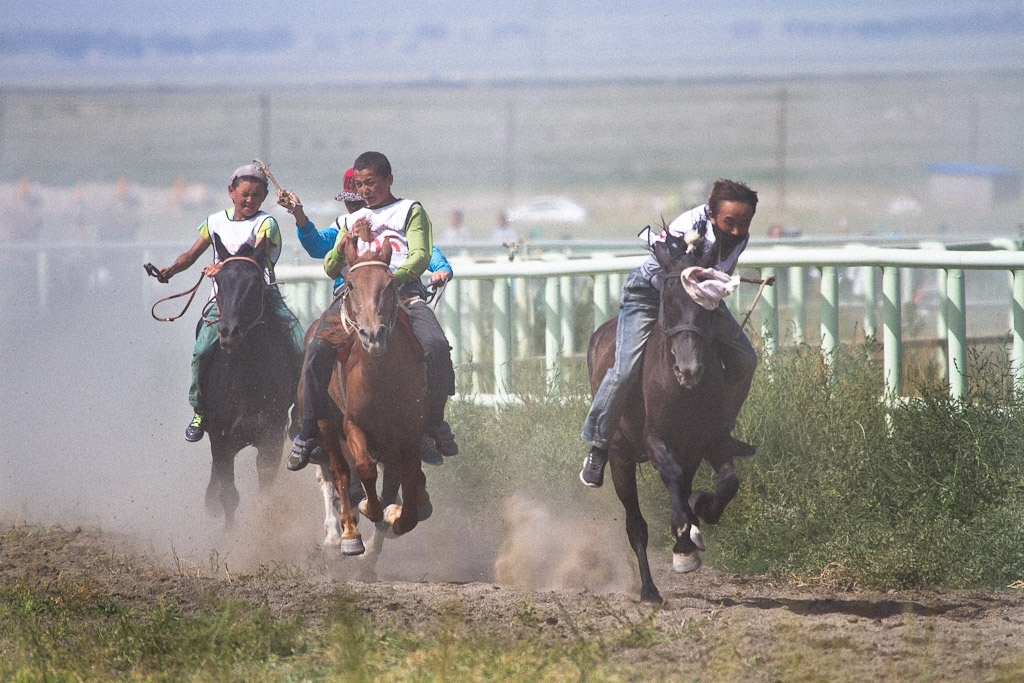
point(251, 379)
point(676, 417)
point(380, 393)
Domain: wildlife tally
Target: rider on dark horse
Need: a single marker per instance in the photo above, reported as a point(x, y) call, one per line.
point(406, 224)
point(725, 222)
point(244, 223)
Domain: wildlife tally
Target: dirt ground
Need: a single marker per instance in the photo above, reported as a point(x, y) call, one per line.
point(713, 625)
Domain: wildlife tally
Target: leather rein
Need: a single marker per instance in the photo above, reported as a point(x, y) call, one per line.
point(210, 271)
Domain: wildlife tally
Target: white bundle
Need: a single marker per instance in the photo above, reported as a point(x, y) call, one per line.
point(708, 286)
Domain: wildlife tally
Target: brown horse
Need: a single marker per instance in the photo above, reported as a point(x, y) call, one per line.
point(676, 418)
point(380, 393)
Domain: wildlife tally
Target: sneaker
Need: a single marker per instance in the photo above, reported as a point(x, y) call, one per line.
point(592, 474)
point(194, 432)
point(444, 440)
point(430, 456)
point(301, 450)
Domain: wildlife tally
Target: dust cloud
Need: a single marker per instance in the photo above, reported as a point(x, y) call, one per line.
point(94, 407)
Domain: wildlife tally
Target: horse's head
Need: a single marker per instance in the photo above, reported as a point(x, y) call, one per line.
point(371, 295)
point(686, 324)
point(241, 291)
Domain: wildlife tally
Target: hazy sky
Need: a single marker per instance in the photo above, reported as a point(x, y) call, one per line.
point(65, 42)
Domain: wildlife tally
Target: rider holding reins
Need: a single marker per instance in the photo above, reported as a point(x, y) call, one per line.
point(725, 220)
point(244, 223)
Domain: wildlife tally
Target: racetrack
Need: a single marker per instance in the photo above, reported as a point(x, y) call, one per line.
point(714, 626)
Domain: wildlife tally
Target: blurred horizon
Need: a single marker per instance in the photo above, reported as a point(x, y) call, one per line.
point(110, 43)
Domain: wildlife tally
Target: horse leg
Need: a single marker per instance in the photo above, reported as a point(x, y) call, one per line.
point(366, 470)
point(623, 470)
point(679, 481)
point(710, 506)
point(414, 492)
point(221, 495)
point(351, 542)
point(269, 451)
point(332, 510)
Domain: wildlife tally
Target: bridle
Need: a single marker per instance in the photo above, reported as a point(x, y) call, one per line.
point(347, 320)
point(211, 271)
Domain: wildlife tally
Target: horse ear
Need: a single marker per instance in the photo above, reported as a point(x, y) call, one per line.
point(259, 253)
point(663, 254)
point(348, 247)
point(218, 245)
point(386, 251)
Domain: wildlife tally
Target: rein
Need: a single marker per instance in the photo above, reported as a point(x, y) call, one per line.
point(209, 271)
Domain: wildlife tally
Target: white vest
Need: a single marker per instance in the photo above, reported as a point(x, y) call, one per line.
point(233, 234)
point(387, 222)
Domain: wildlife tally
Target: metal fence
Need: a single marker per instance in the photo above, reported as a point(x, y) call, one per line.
point(503, 314)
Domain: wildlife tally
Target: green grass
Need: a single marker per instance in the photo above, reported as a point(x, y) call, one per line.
point(848, 491)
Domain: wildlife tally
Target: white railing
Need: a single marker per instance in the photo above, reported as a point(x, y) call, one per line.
point(503, 315)
point(497, 308)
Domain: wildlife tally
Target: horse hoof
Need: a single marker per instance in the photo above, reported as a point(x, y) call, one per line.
point(364, 507)
point(392, 513)
point(684, 563)
point(697, 537)
point(352, 546)
point(425, 510)
point(332, 541)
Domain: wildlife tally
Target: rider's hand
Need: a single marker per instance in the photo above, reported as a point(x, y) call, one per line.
point(440, 277)
point(363, 229)
point(288, 200)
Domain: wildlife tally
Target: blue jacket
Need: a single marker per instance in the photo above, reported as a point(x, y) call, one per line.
point(318, 242)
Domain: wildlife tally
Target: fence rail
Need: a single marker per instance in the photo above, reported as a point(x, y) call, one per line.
point(494, 309)
point(500, 314)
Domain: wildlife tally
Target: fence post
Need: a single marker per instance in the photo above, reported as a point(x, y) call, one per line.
point(601, 298)
point(870, 301)
point(797, 299)
point(552, 335)
point(1017, 326)
point(502, 300)
point(892, 323)
point(567, 315)
point(451, 321)
point(476, 330)
point(770, 315)
point(829, 312)
point(957, 318)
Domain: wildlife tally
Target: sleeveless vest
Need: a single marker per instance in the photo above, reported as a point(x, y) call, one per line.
point(387, 223)
point(233, 234)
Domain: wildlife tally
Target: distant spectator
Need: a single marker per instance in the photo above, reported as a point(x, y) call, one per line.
point(504, 233)
point(456, 232)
